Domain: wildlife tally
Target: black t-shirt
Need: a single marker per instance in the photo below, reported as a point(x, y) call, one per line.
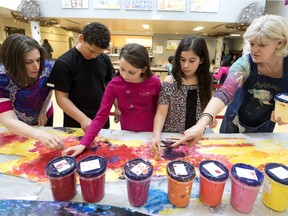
point(83, 79)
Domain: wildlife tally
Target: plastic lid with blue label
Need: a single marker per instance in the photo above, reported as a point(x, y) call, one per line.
point(278, 172)
point(180, 170)
point(91, 166)
point(138, 169)
point(282, 97)
point(214, 170)
point(247, 174)
point(61, 166)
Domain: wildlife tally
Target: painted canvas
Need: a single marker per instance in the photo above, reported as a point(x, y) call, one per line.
point(74, 3)
point(106, 4)
point(204, 5)
point(117, 147)
point(7, 207)
point(172, 5)
point(138, 4)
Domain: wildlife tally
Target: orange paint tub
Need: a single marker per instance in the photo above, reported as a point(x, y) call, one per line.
point(213, 176)
point(181, 175)
point(275, 189)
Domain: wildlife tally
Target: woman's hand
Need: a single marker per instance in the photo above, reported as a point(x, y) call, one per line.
point(50, 140)
point(42, 119)
point(191, 136)
point(85, 123)
point(73, 151)
point(278, 120)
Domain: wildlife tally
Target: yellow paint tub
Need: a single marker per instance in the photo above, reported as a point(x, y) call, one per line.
point(275, 189)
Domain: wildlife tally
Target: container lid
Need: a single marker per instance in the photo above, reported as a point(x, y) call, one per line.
point(138, 169)
point(61, 166)
point(180, 170)
point(247, 174)
point(91, 166)
point(282, 97)
point(278, 172)
point(214, 170)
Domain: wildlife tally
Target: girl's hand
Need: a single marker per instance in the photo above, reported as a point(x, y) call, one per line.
point(155, 147)
point(73, 151)
point(117, 115)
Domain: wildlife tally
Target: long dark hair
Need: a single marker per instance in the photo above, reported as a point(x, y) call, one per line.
point(199, 47)
point(137, 55)
point(12, 55)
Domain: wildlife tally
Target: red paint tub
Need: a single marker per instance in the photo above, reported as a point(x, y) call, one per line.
point(213, 176)
point(61, 174)
point(138, 173)
point(91, 171)
point(180, 179)
point(246, 183)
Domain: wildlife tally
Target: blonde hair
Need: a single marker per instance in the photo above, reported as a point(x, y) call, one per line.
point(272, 27)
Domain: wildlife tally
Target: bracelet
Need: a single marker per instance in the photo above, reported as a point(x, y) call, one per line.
point(208, 115)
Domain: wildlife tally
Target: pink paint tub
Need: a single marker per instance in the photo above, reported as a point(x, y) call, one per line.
point(246, 183)
point(138, 173)
point(213, 176)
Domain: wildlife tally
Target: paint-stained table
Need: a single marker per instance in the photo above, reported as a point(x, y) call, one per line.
point(22, 167)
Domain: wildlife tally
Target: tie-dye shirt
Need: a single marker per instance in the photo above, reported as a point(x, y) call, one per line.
point(26, 102)
point(250, 96)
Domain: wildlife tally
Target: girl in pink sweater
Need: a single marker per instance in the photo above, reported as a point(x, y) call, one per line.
point(136, 89)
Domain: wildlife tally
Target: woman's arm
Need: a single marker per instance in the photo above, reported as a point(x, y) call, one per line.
point(14, 125)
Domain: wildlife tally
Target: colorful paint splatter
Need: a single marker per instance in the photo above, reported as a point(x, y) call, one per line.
point(117, 147)
point(21, 207)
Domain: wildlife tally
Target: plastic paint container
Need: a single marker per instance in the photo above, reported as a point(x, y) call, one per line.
point(61, 174)
point(213, 176)
point(281, 106)
point(138, 173)
point(180, 179)
point(91, 171)
point(275, 187)
point(246, 182)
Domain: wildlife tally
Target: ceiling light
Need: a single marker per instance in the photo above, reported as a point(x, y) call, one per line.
point(146, 26)
point(235, 35)
point(198, 28)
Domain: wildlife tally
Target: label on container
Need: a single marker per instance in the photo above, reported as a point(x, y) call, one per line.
point(213, 169)
point(61, 165)
point(280, 172)
point(284, 97)
point(140, 168)
point(90, 165)
point(246, 173)
point(180, 169)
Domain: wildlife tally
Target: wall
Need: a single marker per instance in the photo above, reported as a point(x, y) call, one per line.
point(228, 11)
point(277, 7)
point(57, 37)
point(160, 40)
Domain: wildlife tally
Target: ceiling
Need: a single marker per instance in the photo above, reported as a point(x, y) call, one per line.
point(134, 27)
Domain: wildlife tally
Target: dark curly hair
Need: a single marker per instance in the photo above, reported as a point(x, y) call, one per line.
point(199, 47)
point(96, 34)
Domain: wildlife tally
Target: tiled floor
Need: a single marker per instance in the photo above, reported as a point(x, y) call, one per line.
point(58, 118)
